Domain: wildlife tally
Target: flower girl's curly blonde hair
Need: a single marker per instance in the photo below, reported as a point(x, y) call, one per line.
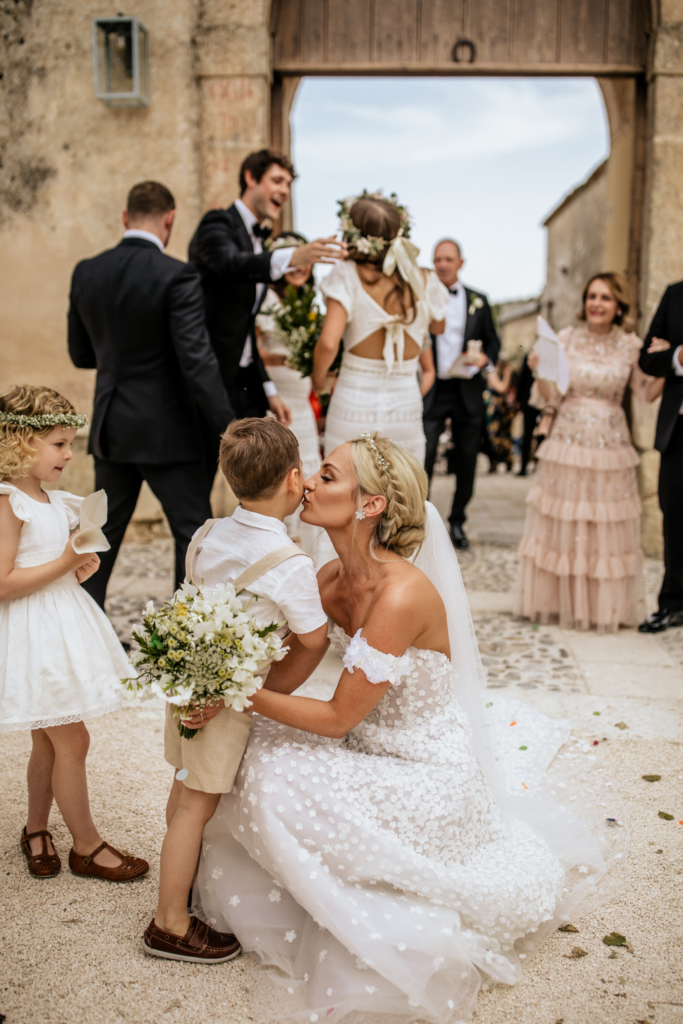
point(27, 400)
point(385, 468)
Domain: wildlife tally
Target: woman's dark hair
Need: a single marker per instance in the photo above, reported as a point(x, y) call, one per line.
point(379, 219)
point(620, 293)
point(258, 163)
point(281, 286)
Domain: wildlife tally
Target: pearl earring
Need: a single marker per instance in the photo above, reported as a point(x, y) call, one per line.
point(360, 514)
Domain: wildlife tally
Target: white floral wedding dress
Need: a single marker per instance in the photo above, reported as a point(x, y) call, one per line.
point(383, 873)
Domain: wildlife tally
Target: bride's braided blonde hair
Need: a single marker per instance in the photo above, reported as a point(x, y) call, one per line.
point(387, 469)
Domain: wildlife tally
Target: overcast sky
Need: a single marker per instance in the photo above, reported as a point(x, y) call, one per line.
point(482, 159)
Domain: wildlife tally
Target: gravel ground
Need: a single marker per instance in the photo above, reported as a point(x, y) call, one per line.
point(71, 947)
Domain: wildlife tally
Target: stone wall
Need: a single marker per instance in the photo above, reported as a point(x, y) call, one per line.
point(575, 248)
point(68, 162)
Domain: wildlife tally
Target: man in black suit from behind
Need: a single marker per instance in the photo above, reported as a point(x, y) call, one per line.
point(137, 317)
point(667, 325)
point(227, 249)
point(468, 318)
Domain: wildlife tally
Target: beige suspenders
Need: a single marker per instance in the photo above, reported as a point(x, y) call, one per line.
point(250, 575)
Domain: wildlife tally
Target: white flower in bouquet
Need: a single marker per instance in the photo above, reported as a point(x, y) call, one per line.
point(199, 648)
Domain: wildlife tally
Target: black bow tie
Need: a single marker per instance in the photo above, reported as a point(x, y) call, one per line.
point(453, 291)
point(261, 232)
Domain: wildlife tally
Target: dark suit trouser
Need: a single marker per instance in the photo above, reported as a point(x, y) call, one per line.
point(671, 504)
point(183, 491)
point(466, 429)
point(530, 415)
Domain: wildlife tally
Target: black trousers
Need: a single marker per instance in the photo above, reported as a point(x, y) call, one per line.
point(671, 504)
point(247, 398)
point(530, 415)
point(466, 429)
point(181, 487)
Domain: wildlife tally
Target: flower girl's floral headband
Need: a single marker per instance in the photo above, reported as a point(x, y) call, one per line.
point(369, 245)
point(48, 419)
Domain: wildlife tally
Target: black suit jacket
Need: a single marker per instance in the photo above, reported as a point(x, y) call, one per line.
point(478, 326)
point(137, 316)
point(668, 324)
point(222, 251)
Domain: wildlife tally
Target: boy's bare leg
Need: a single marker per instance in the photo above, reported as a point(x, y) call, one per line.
point(179, 855)
point(173, 800)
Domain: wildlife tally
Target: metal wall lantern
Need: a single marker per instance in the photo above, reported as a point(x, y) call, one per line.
point(121, 61)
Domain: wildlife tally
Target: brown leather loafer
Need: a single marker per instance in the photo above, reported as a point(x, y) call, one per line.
point(129, 868)
point(199, 945)
point(43, 864)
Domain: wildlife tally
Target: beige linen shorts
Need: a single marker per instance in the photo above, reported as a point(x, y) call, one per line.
point(213, 756)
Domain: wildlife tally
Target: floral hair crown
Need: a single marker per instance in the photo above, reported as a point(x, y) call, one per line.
point(369, 245)
point(284, 242)
point(376, 453)
point(47, 419)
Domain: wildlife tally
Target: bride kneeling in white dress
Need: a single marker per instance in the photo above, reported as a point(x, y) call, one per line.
point(384, 306)
point(392, 847)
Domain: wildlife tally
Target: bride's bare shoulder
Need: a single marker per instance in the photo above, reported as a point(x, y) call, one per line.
point(407, 587)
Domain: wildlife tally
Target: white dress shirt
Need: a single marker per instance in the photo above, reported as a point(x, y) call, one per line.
point(449, 344)
point(279, 265)
point(287, 592)
point(678, 369)
point(147, 235)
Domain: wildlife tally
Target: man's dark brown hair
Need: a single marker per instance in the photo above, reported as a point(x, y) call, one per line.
point(258, 163)
point(256, 455)
point(149, 198)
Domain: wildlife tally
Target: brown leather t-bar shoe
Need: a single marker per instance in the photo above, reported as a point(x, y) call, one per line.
point(200, 944)
point(127, 870)
point(43, 864)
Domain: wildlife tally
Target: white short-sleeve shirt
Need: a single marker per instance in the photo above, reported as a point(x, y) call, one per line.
point(287, 592)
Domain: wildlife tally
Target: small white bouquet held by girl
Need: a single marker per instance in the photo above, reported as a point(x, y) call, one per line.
point(199, 648)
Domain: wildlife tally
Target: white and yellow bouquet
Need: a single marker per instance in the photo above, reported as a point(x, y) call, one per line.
point(199, 648)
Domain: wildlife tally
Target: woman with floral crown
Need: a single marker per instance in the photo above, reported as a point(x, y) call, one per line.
point(384, 307)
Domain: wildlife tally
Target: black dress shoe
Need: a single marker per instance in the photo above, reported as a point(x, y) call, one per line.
point(663, 619)
point(458, 537)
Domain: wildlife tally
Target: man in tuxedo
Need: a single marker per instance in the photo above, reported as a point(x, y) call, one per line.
point(227, 249)
point(460, 399)
point(667, 325)
point(137, 317)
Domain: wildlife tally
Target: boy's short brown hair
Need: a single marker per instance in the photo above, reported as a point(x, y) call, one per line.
point(256, 455)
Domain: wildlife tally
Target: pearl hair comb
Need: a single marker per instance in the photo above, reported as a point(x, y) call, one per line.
point(379, 458)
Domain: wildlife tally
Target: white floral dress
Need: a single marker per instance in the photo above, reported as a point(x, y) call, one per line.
point(377, 871)
point(60, 659)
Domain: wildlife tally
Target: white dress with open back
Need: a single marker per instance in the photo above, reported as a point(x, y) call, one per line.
point(390, 872)
point(60, 659)
point(379, 394)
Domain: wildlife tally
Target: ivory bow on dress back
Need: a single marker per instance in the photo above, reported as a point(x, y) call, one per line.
point(402, 256)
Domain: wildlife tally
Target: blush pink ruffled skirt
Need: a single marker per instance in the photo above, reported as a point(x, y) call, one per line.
point(580, 557)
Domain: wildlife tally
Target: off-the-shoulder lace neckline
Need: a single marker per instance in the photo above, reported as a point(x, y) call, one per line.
point(418, 650)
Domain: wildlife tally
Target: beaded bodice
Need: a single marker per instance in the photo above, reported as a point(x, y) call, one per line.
point(600, 368)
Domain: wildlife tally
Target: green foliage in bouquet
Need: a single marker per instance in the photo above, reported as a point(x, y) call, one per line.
point(199, 648)
point(299, 323)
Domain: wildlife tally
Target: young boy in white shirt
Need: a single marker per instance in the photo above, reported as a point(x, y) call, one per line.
point(260, 460)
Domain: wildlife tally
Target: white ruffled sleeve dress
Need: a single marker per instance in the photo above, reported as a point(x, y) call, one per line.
point(60, 659)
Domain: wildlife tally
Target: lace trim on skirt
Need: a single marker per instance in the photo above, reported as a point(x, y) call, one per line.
point(49, 723)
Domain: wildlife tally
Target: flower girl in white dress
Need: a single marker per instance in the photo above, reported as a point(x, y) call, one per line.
point(60, 659)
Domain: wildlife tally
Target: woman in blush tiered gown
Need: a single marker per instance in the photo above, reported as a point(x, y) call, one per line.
point(384, 306)
point(580, 557)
